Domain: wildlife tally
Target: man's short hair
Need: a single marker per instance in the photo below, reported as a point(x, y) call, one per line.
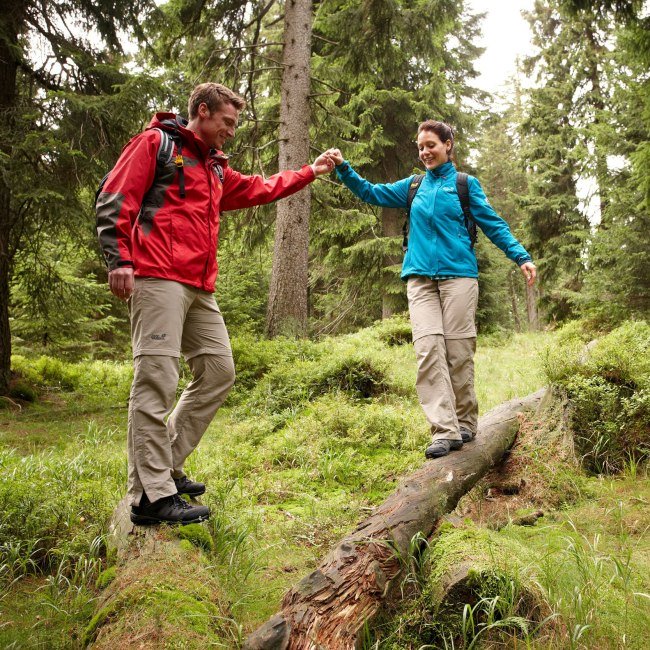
point(214, 95)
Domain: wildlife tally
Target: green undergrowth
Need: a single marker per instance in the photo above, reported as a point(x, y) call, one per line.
point(580, 580)
point(607, 389)
point(314, 436)
point(557, 555)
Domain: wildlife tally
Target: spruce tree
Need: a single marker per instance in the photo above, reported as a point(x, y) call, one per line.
point(52, 79)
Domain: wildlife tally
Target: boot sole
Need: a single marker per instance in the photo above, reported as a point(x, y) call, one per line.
point(193, 494)
point(143, 520)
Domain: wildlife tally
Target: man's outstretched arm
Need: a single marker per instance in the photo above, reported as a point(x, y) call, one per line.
point(241, 191)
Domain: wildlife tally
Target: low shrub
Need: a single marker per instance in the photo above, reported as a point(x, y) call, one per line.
point(291, 385)
point(607, 386)
point(106, 380)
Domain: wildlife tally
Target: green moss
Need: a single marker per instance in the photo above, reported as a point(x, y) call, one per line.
point(106, 577)
point(197, 535)
point(171, 593)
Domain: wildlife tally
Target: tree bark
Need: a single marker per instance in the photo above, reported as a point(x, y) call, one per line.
point(391, 222)
point(10, 22)
point(288, 297)
point(513, 300)
point(329, 608)
point(531, 308)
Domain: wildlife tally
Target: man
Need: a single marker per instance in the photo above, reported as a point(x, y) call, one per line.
point(158, 225)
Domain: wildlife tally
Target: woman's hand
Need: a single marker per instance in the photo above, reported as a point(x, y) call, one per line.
point(335, 155)
point(530, 272)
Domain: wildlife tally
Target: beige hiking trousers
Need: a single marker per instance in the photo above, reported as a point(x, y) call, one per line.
point(444, 337)
point(169, 319)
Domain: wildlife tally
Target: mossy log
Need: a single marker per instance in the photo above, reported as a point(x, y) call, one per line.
point(161, 592)
point(475, 567)
point(329, 608)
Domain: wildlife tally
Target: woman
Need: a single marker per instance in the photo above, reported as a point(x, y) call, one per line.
point(441, 274)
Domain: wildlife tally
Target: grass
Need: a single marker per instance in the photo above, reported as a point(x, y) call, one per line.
point(314, 436)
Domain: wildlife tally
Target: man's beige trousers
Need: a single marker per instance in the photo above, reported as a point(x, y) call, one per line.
point(444, 336)
point(169, 319)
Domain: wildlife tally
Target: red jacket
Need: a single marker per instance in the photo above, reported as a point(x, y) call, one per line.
point(171, 237)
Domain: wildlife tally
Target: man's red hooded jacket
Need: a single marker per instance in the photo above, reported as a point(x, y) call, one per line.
point(142, 220)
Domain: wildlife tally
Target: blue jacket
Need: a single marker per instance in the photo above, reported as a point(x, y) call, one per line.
point(439, 244)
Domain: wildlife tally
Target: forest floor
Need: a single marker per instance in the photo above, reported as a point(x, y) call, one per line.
point(313, 438)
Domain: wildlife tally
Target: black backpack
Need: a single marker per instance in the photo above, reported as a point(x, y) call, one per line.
point(164, 156)
point(463, 195)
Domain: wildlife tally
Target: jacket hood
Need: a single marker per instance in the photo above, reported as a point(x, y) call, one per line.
point(174, 122)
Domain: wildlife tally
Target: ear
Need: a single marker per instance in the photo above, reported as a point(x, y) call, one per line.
point(448, 146)
point(204, 111)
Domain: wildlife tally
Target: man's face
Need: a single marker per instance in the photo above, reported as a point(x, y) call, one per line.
point(215, 127)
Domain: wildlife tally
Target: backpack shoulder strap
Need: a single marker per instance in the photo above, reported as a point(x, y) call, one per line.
point(169, 137)
point(463, 194)
point(412, 191)
point(463, 191)
point(165, 148)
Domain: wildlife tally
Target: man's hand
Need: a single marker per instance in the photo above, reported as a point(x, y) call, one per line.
point(530, 272)
point(323, 164)
point(121, 283)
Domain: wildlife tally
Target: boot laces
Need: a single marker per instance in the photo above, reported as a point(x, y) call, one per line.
point(181, 503)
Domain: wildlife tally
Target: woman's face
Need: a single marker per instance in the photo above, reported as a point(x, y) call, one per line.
point(433, 152)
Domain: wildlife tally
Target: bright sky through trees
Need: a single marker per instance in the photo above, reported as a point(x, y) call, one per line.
point(506, 36)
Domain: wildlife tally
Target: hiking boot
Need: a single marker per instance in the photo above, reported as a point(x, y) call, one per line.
point(440, 448)
point(172, 510)
point(467, 435)
point(191, 488)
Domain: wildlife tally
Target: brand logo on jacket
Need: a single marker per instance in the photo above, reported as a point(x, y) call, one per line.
point(158, 337)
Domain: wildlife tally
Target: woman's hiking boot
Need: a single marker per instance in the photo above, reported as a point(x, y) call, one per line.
point(171, 510)
point(466, 434)
point(439, 448)
point(191, 488)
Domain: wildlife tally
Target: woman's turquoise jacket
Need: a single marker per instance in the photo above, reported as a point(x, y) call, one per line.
point(439, 244)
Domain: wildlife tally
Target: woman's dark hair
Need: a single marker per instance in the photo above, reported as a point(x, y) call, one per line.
point(442, 130)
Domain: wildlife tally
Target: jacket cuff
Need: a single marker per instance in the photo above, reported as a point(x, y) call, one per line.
point(343, 170)
point(122, 263)
point(312, 173)
point(522, 259)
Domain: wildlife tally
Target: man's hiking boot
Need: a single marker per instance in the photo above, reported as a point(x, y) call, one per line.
point(171, 510)
point(439, 448)
point(467, 435)
point(191, 488)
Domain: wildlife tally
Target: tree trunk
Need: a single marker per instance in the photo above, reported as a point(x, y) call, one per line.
point(513, 300)
point(391, 223)
point(330, 607)
point(287, 310)
point(531, 308)
point(9, 29)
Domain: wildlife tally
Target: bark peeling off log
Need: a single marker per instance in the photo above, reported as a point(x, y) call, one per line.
point(328, 608)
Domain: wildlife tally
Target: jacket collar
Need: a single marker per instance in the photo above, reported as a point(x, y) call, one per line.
point(442, 171)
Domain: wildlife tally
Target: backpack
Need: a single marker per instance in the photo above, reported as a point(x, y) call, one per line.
point(164, 156)
point(463, 195)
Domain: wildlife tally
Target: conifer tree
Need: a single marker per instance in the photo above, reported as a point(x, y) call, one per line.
point(51, 81)
point(557, 230)
point(387, 66)
point(287, 310)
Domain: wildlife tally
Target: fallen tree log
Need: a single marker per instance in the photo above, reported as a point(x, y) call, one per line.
point(329, 608)
point(159, 590)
